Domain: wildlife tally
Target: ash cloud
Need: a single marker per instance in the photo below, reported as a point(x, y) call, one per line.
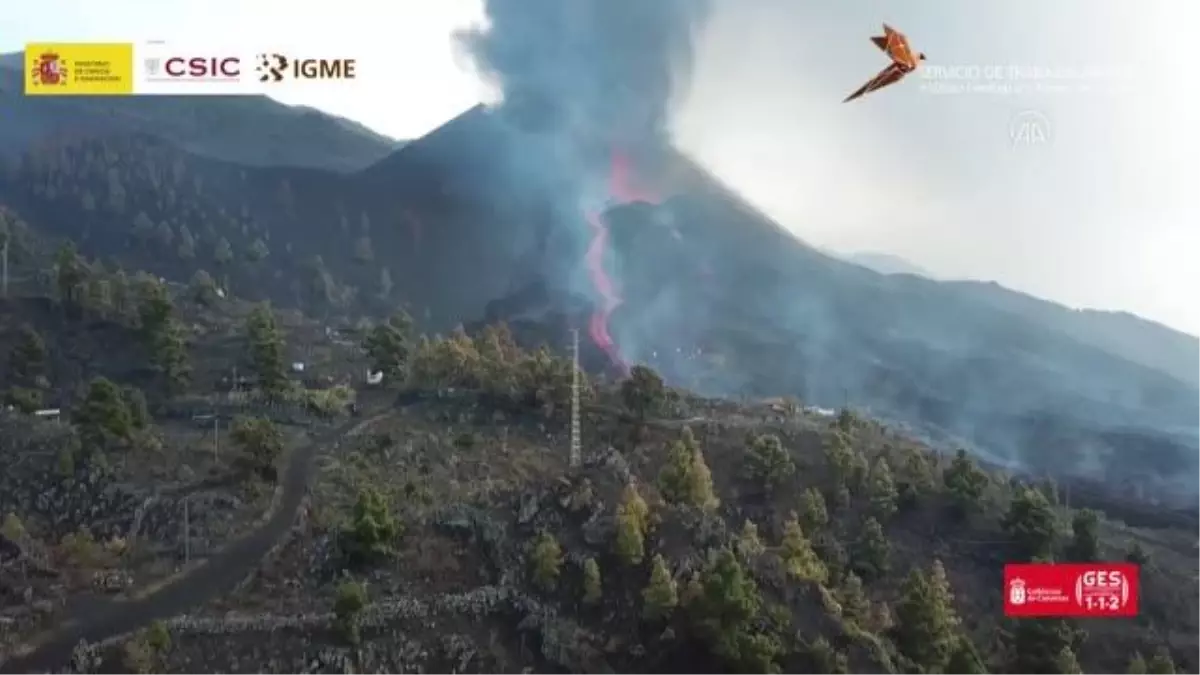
point(599, 72)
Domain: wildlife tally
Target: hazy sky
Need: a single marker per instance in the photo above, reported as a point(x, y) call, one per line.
point(1075, 189)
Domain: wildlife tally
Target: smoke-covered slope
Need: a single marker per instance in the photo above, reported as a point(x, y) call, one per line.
point(886, 263)
point(1126, 335)
point(722, 299)
point(473, 222)
point(733, 290)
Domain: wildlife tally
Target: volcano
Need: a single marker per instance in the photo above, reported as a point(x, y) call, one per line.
point(662, 264)
point(466, 187)
point(653, 261)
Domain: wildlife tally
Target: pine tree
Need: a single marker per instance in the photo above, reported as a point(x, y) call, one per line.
point(1042, 646)
point(725, 612)
point(389, 346)
point(700, 488)
point(203, 288)
point(385, 283)
point(871, 550)
point(347, 608)
point(635, 505)
point(164, 236)
point(546, 561)
point(258, 251)
point(686, 479)
point(824, 658)
point(373, 529)
point(768, 463)
point(1067, 662)
point(1161, 663)
point(27, 361)
point(838, 457)
point(266, 351)
point(71, 274)
point(798, 555)
point(965, 483)
point(122, 295)
point(643, 393)
point(222, 252)
point(1137, 554)
point(142, 227)
point(262, 443)
point(1032, 524)
point(139, 410)
point(841, 497)
point(858, 471)
point(1085, 539)
point(813, 515)
point(926, 630)
point(749, 545)
point(13, 529)
point(661, 595)
point(673, 479)
point(187, 244)
point(916, 478)
point(965, 658)
point(884, 497)
point(103, 418)
point(632, 521)
point(592, 589)
point(853, 599)
point(163, 335)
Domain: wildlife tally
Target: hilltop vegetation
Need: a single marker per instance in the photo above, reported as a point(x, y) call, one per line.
point(117, 419)
point(695, 535)
point(203, 326)
point(444, 228)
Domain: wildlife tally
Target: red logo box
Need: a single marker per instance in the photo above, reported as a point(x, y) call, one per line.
point(1089, 590)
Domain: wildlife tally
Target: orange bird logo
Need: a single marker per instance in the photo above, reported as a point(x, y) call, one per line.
point(903, 62)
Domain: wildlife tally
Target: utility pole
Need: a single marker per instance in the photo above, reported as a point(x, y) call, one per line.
point(575, 458)
point(187, 533)
point(216, 437)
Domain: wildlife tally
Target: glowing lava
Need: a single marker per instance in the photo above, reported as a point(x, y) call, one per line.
point(621, 190)
point(621, 186)
point(609, 300)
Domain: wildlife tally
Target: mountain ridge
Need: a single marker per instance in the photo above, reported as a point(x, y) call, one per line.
point(443, 227)
point(884, 263)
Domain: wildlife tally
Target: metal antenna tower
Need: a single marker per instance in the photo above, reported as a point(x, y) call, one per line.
point(575, 458)
point(4, 265)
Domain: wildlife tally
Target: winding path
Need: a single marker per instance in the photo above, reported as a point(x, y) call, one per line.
point(219, 574)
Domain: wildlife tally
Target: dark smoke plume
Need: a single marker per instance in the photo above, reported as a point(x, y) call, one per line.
point(602, 72)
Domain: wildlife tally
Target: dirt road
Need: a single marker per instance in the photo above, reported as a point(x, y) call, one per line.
point(220, 574)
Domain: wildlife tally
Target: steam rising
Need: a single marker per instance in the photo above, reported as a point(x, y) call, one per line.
point(586, 81)
point(600, 72)
point(717, 299)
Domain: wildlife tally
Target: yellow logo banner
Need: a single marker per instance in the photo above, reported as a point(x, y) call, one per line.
point(87, 69)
